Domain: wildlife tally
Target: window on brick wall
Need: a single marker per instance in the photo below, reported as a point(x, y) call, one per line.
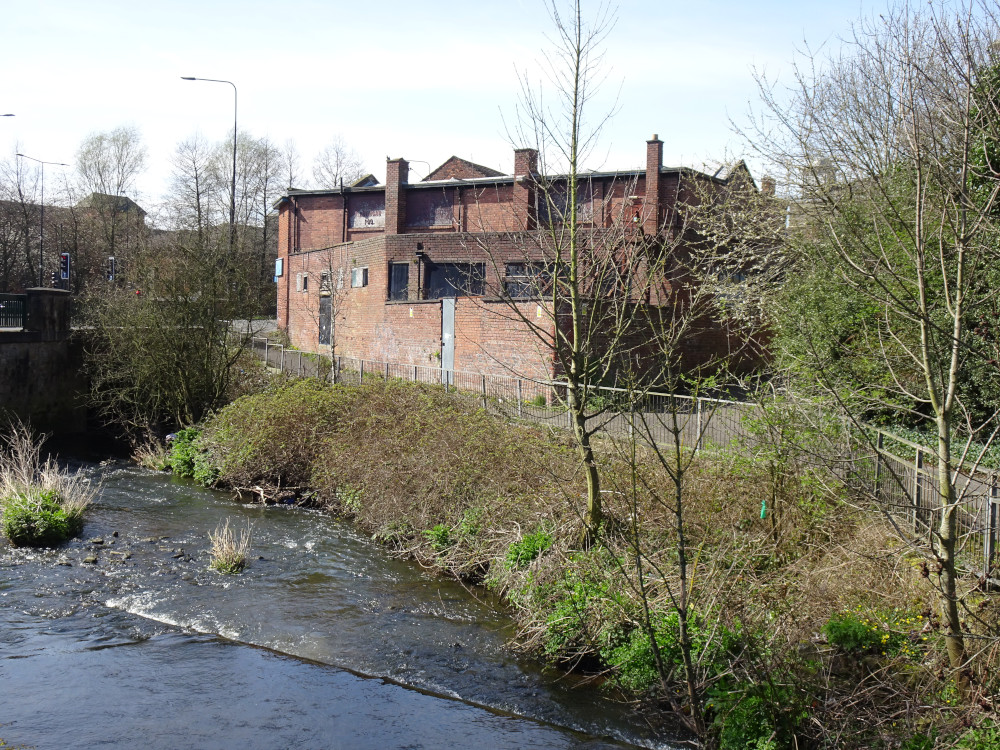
point(298, 282)
point(553, 204)
point(527, 280)
point(399, 281)
point(455, 280)
point(305, 282)
point(359, 277)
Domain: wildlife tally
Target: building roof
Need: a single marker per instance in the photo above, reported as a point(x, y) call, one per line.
point(121, 203)
point(369, 180)
point(457, 168)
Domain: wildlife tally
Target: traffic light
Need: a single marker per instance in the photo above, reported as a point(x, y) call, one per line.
point(64, 266)
point(55, 280)
point(111, 268)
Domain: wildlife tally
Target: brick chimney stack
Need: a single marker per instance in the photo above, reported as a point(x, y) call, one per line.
point(396, 175)
point(654, 162)
point(767, 186)
point(525, 169)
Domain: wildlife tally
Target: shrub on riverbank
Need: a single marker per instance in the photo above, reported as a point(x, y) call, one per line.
point(41, 505)
point(458, 490)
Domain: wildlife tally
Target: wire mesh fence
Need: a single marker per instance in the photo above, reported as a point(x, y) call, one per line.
point(904, 488)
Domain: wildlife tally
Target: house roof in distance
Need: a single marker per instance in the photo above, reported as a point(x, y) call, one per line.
point(120, 203)
point(369, 180)
point(457, 168)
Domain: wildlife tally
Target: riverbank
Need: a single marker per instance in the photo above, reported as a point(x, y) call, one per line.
point(809, 625)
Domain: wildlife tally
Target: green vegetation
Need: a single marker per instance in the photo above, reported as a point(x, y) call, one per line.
point(526, 549)
point(439, 537)
point(39, 518)
point(882, 633)
point(187, 458)
point(40, 504)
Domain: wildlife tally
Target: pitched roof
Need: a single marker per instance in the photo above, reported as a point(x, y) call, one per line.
point(369, 180)
point(456, 168)
point(121, 203)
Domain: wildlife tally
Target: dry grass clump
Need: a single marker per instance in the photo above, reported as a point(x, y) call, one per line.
point(151, 453)
point(228, 552)
point(40, 503)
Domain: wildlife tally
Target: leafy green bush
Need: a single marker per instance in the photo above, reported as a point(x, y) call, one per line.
point(762, 715)
point(984, 737)
point(276, 438)
point(581, 606)
point(38, 519)
point(349, 498)
point(439, 537)
point(527, 548)
point(884, 633)
point(472, 522)
point(712, 643)
point(189, 458)
point(925, 437)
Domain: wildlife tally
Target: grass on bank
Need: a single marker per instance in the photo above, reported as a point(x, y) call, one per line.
point(811, 628)
point(41, 505)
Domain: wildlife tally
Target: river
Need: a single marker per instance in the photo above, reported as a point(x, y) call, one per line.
point(325, 641)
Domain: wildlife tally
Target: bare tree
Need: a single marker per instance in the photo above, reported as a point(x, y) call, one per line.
point(337, 164)
point(889, 149)
point(108, 165)
point(293, 165)
point(193, 183)
point(18, 226)
point(562, 262)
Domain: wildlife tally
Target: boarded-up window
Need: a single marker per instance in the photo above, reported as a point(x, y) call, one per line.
point(399, 281)
point(455, 280)
point(429, 208)
point(553, 203)
point(367, 211)
point(359, 277)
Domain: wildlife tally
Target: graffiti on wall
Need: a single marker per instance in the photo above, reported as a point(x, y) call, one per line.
point(367, 211)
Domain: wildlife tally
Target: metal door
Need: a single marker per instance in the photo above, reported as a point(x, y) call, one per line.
point(325, 320)
point(448, 340)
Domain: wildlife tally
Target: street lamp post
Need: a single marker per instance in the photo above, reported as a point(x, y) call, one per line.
point(232, 196)
point(41, 230)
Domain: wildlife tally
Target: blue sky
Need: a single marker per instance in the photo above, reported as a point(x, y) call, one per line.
point(422, 80)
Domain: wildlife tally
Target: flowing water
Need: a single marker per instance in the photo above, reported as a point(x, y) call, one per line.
point(325, 641)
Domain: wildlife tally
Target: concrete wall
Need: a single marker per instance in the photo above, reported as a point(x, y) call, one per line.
point(41, 379)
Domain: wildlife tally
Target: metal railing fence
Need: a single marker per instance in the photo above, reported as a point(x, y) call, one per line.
point(13, 310)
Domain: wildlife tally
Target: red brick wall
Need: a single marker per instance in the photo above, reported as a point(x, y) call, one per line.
point(490, 337)
point(320, 221)
point(464, 222)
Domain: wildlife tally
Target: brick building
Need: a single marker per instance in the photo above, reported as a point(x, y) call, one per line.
point(437, 273)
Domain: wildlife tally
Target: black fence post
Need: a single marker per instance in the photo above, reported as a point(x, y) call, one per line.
point(879, 446)
point(990, 541)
